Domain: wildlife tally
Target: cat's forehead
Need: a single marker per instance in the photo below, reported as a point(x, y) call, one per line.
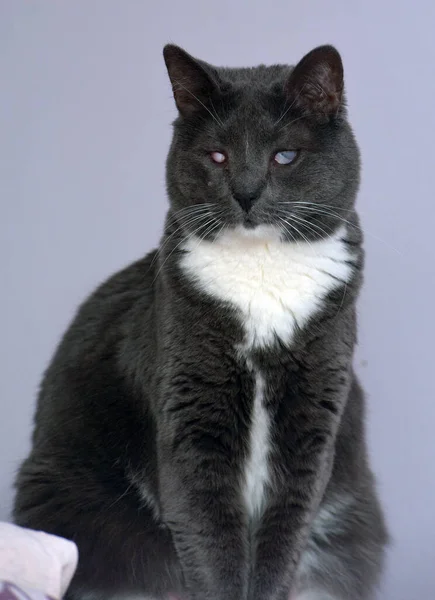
point(255, 101)
point(260, 77)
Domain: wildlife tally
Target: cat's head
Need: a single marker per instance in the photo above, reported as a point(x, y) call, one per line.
point(261, 149)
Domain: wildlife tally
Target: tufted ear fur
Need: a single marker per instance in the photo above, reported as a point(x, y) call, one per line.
point(315, 86)
point(192, 84)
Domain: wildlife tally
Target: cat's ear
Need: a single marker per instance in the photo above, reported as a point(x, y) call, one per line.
point(192, 85)
point(315, 86)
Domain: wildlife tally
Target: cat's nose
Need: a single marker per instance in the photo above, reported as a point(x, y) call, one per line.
point(246, 199)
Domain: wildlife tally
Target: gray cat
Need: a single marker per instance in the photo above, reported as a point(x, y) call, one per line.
point(200, 429)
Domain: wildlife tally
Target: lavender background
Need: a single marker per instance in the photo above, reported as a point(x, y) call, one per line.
point(85, 112)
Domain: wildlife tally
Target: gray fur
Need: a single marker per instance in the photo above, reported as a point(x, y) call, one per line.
point(144, 412)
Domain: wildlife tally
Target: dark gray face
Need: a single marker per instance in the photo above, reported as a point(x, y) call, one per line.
point(267, 146)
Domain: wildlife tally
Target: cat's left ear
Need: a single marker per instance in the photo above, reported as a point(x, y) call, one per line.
point(192, 83)
point(315, 86)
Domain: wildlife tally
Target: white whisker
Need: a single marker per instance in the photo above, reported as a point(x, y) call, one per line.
point(289, 108)
point(298, 231)
point(184, 239)
point(214, 117)
point(309, 225)
point(190, 221)
point(328, 210)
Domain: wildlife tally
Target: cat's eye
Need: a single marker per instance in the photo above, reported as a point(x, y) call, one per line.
point(285, 157)
point(218, 157)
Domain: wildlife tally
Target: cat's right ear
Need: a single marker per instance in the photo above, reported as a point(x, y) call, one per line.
point(191, 84)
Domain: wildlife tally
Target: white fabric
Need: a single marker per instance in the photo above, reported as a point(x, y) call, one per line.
point(36, 560)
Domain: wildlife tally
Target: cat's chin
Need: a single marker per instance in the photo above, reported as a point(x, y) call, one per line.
point(253, 233)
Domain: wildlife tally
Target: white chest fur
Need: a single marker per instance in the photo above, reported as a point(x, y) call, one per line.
point(256, 467)
point(276, 286)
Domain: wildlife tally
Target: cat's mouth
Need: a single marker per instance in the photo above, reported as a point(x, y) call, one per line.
point(249, 222)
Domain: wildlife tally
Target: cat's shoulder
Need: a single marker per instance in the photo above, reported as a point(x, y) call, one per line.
point(110, 307)
point(136, 280)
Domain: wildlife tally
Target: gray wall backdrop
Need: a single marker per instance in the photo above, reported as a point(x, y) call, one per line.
point(85, 112)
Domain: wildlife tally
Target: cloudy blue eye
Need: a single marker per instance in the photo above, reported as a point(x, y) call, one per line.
point(285, 157)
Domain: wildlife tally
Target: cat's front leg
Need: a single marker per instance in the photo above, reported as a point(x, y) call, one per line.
point(198, 473)
point(281, 538)
point(302, 460)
